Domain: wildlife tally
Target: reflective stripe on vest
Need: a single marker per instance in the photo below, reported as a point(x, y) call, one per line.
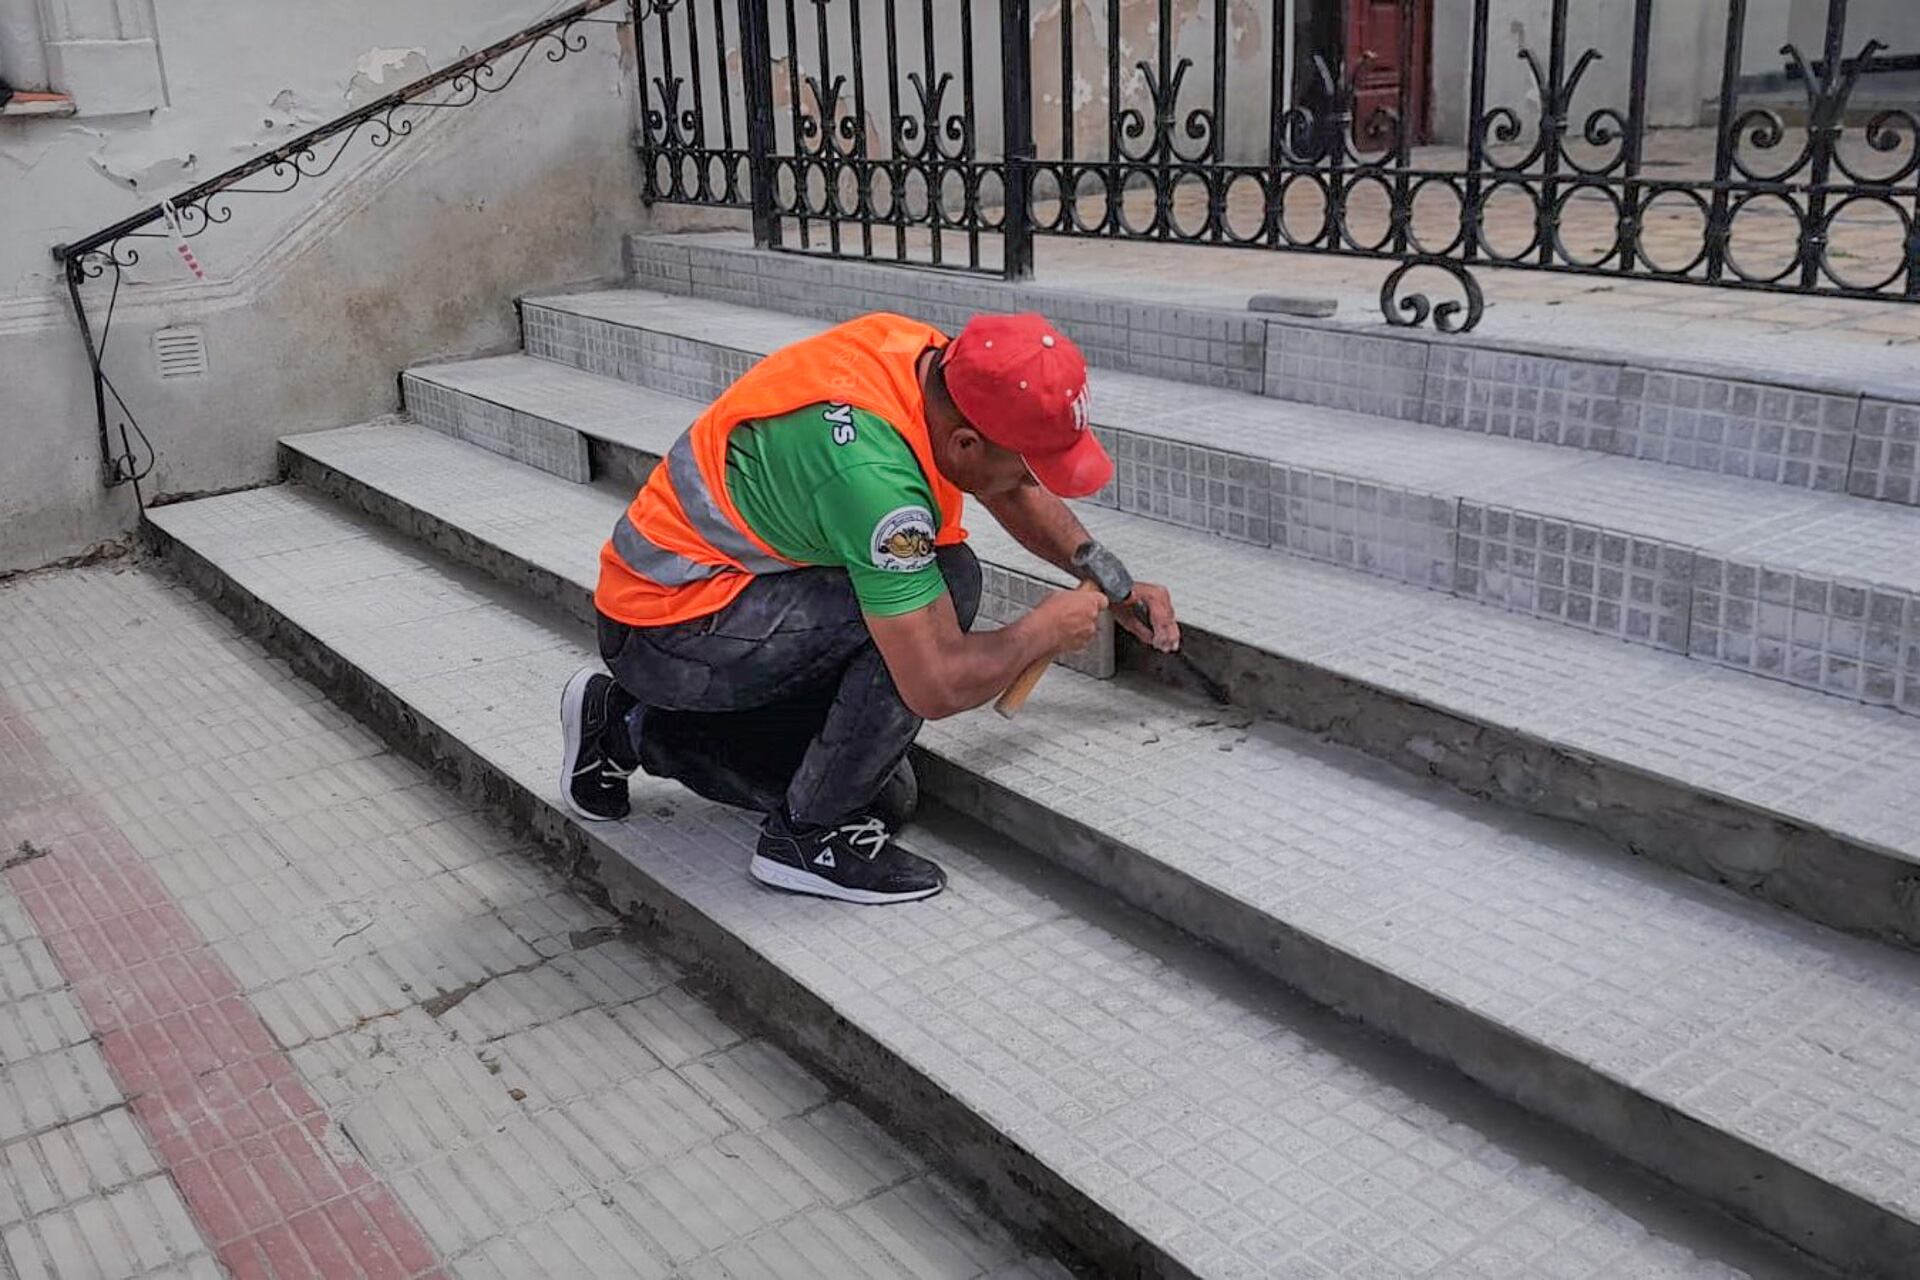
point(670, 568)
point(704, 514)
point(654, 564)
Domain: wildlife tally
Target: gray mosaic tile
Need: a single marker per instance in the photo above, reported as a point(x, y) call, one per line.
point(1006, 595)
point(1203, 347)
point(1378, 529)
point(1798, 438)
point(1523, 397)
point(1843, 637)
point(680, 365)
point(1886, 453)
point(1582, 575)
point(1187, 344)
point(524, 437)
point(1109, 495)
point(659, 264)
point(1208, 489)
point(1385, 377)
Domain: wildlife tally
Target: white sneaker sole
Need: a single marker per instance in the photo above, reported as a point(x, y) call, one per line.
point(572, 702)
point(781, 876)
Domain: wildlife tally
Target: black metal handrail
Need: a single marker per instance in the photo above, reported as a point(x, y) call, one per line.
point(308, 156)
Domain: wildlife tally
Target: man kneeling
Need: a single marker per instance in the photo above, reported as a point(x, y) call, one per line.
point(790, 594)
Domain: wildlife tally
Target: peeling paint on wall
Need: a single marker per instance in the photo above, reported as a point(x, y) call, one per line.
point(378, 72)
point(139, 169)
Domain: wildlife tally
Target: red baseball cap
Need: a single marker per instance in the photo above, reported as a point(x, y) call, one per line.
point(1023, 385)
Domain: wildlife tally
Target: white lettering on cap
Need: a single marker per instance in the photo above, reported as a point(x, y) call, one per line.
point(1081, 407)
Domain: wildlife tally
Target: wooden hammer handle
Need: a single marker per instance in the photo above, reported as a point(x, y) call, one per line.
point(1017, 693)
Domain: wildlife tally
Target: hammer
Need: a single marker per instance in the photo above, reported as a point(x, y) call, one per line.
point(1100, 570)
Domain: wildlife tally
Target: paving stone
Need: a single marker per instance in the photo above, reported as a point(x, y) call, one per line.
point(346, 882)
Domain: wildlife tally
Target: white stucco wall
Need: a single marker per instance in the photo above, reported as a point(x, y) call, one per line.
point(1894, 22)
point(1686, 51)
point(1683, 64)
point(319, 296)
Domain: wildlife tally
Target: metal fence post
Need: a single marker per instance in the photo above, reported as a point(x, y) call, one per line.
point(1016, 104)
point(756, 70)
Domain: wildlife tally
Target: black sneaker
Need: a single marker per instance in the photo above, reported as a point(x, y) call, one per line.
point(854, 862)
point(899, 797)
point(593, 782)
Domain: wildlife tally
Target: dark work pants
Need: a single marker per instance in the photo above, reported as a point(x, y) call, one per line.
point(781, 695)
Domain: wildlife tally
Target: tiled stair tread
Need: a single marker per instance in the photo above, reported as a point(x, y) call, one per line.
point(1152, 1071)
point(1647, 976)
point(1571, 329)
point(700, 319)
point(1797, 529)
point(1814, 759)
point(1618, 333)
point(603, 408)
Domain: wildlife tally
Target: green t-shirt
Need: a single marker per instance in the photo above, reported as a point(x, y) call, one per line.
point(834, 485)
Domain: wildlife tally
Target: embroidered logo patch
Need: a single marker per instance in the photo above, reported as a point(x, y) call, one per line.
point(903, 540)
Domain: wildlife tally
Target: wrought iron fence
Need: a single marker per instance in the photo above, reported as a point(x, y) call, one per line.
point(1494, 133)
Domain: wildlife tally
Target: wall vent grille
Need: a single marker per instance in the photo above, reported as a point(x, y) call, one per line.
point(180, 353)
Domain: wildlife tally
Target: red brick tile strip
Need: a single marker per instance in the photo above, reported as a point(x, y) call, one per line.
point(272, 1183)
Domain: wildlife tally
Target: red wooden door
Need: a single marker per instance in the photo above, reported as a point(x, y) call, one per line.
point(1382, 57)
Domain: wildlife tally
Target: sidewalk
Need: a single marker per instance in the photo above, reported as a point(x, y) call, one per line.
point(273, 1003)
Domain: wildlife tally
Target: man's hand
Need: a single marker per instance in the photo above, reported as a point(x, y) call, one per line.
point(1162, 630)
point(1069, 619)
point(941, 671)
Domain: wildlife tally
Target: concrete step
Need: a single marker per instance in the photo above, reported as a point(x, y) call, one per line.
point(1620, 1000)
point(607, 424)
point(1819, 589)
point(1802, 800)
point(1748, 410)
point(1103, 1088)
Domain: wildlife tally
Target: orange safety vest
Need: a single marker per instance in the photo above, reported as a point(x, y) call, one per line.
point(682, 550)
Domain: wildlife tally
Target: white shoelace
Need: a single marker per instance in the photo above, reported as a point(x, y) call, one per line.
point(867, 838)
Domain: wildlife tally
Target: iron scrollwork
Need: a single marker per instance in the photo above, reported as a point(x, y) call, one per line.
point(1163, 93)
point(1415, 309)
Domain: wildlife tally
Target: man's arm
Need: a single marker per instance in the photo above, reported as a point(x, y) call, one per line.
point(1046, 526)
point(1040, 522)
point(941, 670)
